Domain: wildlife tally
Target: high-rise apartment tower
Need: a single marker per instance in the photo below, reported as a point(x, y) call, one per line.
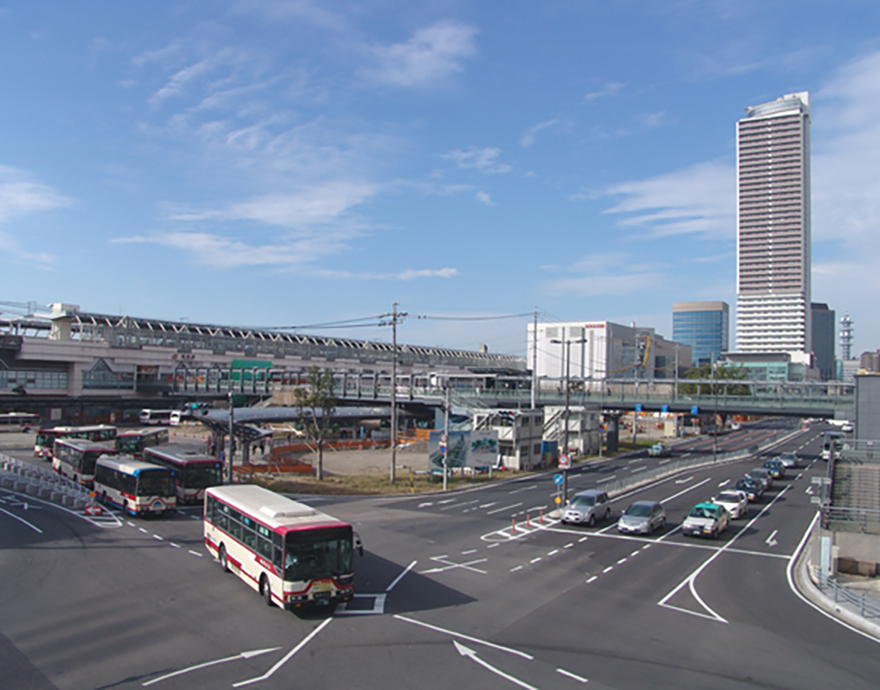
point(773, 227)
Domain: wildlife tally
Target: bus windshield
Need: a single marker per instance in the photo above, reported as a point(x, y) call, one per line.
point(316, 554)
point(156, 483)
point(201, 475)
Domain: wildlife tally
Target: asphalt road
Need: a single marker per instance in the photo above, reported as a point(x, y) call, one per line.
point(450, 595)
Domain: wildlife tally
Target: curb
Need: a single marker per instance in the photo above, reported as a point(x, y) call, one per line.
point(826, 604)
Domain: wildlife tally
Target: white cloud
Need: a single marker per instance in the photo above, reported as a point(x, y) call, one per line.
point(605, 273)
point(700, 200)
point(484, 198)
point(19, 195)
point(307, 207)
point(528, 138)
point(484, 160)
point(412, 274)
point(431, 55)
point(610, 89)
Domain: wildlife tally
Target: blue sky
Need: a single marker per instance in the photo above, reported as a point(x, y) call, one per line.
point(269, 163)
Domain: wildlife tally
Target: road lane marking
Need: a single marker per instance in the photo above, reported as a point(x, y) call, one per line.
point(553, 552)
point(22, 521)
point(156, 536)
point(195, 553)
point(571, 675)
point(569, 545)
point(449, 565)
point(608, 569)
point(143, 530)
point(724, 483)
point(286, 658)
point(448, 500)
point(582, 539)
point(535, 560)
point(513, 570)
point(400, 577)
point(682, 493)
point(498, 510)
point(621, 561)
point(691, 579)
point(426, 504)
point(462, 636)
point(488, 505)
point(607, 479)
point(176, 546)
point(635, 553)
point(243, 655)
point(460, 505)
point(468, 552)
point(472, 655)
point(639, 469)
point(663, 462)
point(683, 481)
point(770, 541)
point(593, 579)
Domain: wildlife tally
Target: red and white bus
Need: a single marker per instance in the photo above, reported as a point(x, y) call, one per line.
point(193, 471)
point(292, 554)
point(75, 458)
point(44, 443)
point(133, 441)
point(137, 487)
point(18, 421)
point(159, 417)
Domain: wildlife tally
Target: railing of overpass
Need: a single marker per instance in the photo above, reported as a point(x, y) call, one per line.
point(807, 399)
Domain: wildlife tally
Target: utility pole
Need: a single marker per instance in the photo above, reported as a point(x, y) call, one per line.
point(231, 436)
point(535, 361)
point(395, 317)
point(446, 436)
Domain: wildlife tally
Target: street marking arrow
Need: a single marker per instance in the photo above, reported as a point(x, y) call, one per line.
point(472, 655)
point(770, 541)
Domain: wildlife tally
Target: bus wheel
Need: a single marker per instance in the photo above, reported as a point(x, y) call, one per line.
point(266, 591)
point(224, 562)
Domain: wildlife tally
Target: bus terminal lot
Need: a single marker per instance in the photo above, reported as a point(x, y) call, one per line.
point(474, 588)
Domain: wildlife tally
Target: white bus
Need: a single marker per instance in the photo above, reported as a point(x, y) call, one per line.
point(193, 471)
point(18, 421)
point(135, 486)
point(159, 417)
point(292, 554)
point(75, 458)
point(44, 443)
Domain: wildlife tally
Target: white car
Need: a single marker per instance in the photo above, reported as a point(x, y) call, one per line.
point(736, 502)
point(705, 520)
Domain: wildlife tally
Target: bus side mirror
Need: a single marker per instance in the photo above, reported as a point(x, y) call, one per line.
point(358, 544)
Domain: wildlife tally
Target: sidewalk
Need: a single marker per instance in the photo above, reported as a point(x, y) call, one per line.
point(855, 601)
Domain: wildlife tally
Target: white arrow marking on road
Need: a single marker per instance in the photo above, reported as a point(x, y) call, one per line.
point(472, 655)
point(683, 481)
point(770, 541)
point(809, 490)
point(243, 655)
point(426, 504)
point(285, 658)
point(724, 483)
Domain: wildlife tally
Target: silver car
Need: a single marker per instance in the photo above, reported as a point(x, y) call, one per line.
point(586, 507)
point(789, 459)
point(642, 517)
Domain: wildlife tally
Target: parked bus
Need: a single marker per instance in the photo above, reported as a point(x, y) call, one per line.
point(137, 487)
point(193, 471)
point(18, 421)
point(44, 442)
point(159, 417)
point(292, 554)
point(133, 441)
point(75, 458)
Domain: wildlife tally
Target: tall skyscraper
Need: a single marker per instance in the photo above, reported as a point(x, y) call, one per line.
point(704, 326)
point(773, 227)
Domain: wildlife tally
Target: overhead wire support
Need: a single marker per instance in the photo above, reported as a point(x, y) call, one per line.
point(395, 318)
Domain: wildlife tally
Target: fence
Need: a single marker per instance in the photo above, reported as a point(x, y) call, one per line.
point(867, 606)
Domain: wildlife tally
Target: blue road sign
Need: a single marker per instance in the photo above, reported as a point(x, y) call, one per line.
point(557, 479)
point(664, 408)
point(638, 407)
point(695, 409)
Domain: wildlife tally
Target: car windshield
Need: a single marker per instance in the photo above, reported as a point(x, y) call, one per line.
point(584, 501)
point(702, 512)
point(315, 554)
point(639, 510)
point(728, 497)
point(758, 473)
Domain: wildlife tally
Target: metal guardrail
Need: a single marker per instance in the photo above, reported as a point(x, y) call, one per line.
point(866, 519)
point(671, 468)
point(868, 606)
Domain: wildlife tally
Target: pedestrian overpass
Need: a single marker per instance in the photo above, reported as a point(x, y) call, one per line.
point(829, 400)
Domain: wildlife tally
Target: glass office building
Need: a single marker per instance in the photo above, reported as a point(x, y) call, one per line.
point(704, 326)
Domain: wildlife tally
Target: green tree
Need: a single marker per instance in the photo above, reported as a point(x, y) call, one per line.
point(315, 405)
point(716, 380)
